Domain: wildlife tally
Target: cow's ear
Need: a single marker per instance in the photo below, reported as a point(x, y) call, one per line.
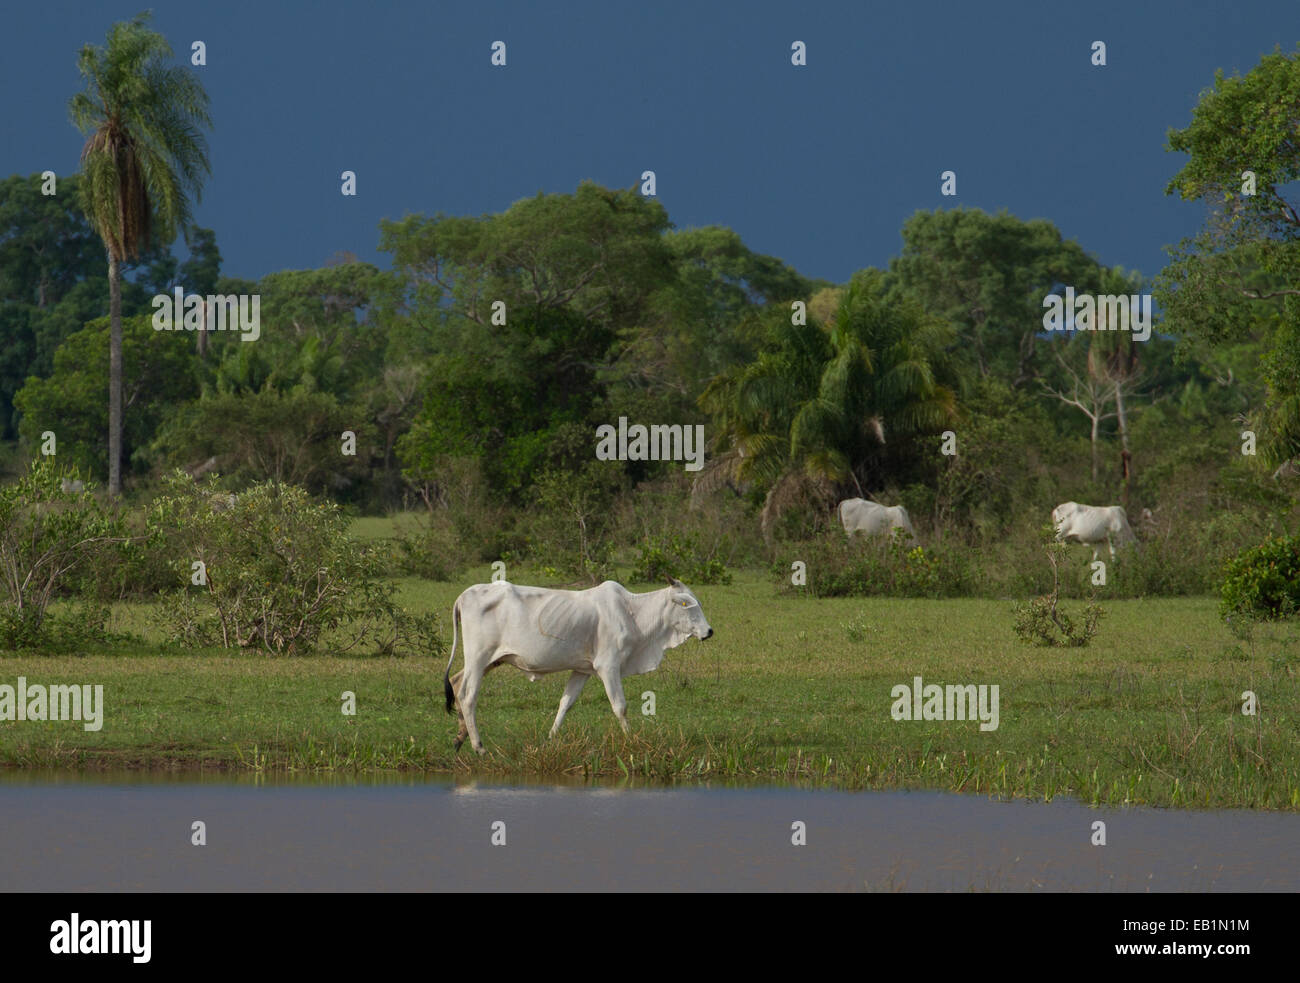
point(674, 582)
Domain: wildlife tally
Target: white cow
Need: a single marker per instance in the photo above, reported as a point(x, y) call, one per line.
point(1093, 524)
point(606, 631)
point(221, 501)
point(859, 515)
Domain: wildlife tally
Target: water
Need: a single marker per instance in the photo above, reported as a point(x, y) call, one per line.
point(132, 833)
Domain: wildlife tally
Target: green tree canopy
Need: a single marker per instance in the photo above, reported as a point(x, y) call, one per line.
point(987, 275)
point(1239, 278)
point(73, 401)
point(144, 157)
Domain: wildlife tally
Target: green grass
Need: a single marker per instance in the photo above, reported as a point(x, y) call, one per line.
point(369, 528)
point(789, 689)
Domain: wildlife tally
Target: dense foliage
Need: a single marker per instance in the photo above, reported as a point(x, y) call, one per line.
point(1263, 582)
point(271, 569)
point(469, 379)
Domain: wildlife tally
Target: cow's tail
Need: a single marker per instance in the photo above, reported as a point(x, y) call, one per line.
point(446, 676)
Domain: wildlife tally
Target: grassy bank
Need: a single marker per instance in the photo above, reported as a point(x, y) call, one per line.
point(788, 689)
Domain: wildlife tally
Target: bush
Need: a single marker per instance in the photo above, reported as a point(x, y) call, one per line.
point(860, 629)
point(837, 566)
point(432, 553)
point(678, 555)
point(135, 570)
point(723, 524)
point(458, 494)
point(279, 571)
point(1263, 582)
point(46, 534)
point(572, 523)
point(68, 631)
point(1042, 622)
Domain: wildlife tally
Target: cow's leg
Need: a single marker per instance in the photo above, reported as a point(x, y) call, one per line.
point(614, 690)
point(462, 732)
point(571, 690)
point(467, 699)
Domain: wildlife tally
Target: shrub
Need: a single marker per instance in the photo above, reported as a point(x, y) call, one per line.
point(859, 629)
point(572, 523)
point(1263, 583)
point(1042, 622)
point(46, 534)
point(837, 566)
point(138, 568)
point(58, 631)
point(722, 523)
point(432, 552)
point(678, 555)
point(279, 571)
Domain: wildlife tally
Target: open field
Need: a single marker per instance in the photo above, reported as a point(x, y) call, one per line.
point(789, 689)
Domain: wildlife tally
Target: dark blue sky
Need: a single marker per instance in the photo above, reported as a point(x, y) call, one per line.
point(818, 165)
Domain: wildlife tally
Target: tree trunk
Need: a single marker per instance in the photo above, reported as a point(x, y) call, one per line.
point(201, 336)
point(114, 377)
point(1096, 419)
point(1125, 458)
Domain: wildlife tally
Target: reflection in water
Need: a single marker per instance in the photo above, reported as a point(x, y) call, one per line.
point(132, 832)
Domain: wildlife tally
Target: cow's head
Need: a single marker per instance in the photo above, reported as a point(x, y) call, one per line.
point(685, 614)
point(1061, 514)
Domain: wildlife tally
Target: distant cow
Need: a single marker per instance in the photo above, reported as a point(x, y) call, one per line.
point(72, 486)
point(859, 515)
point(221, 501)
point(1093, 525)
point(606, 631)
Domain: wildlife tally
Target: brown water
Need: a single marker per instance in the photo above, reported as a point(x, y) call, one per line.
point(74, 833)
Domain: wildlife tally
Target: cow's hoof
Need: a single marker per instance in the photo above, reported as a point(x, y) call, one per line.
point(457, 744)
point(481, 751)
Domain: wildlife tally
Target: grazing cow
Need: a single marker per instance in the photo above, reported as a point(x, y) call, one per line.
point(859, 515)
point(1093, 525)
point(71, 486)
point(606, 631)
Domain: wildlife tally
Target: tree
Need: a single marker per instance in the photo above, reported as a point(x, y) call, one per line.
point(987, 275)
point(811, 414)
point(46, 250)
point(526, 313)
point(703, 314)
point(1240, 276)
point(144, 156)
point(201, 272)
point(1114, 360)
point(1087, 394)
point(46, 245)
point(72, 401)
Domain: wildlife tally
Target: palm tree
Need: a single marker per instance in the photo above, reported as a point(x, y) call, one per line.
point(806, 418)
point(1113, 359)
point(144, 155)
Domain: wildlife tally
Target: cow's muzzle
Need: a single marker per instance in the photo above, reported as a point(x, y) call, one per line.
point(710, 634)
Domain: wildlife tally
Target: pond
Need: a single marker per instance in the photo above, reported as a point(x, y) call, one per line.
point(70, 832)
